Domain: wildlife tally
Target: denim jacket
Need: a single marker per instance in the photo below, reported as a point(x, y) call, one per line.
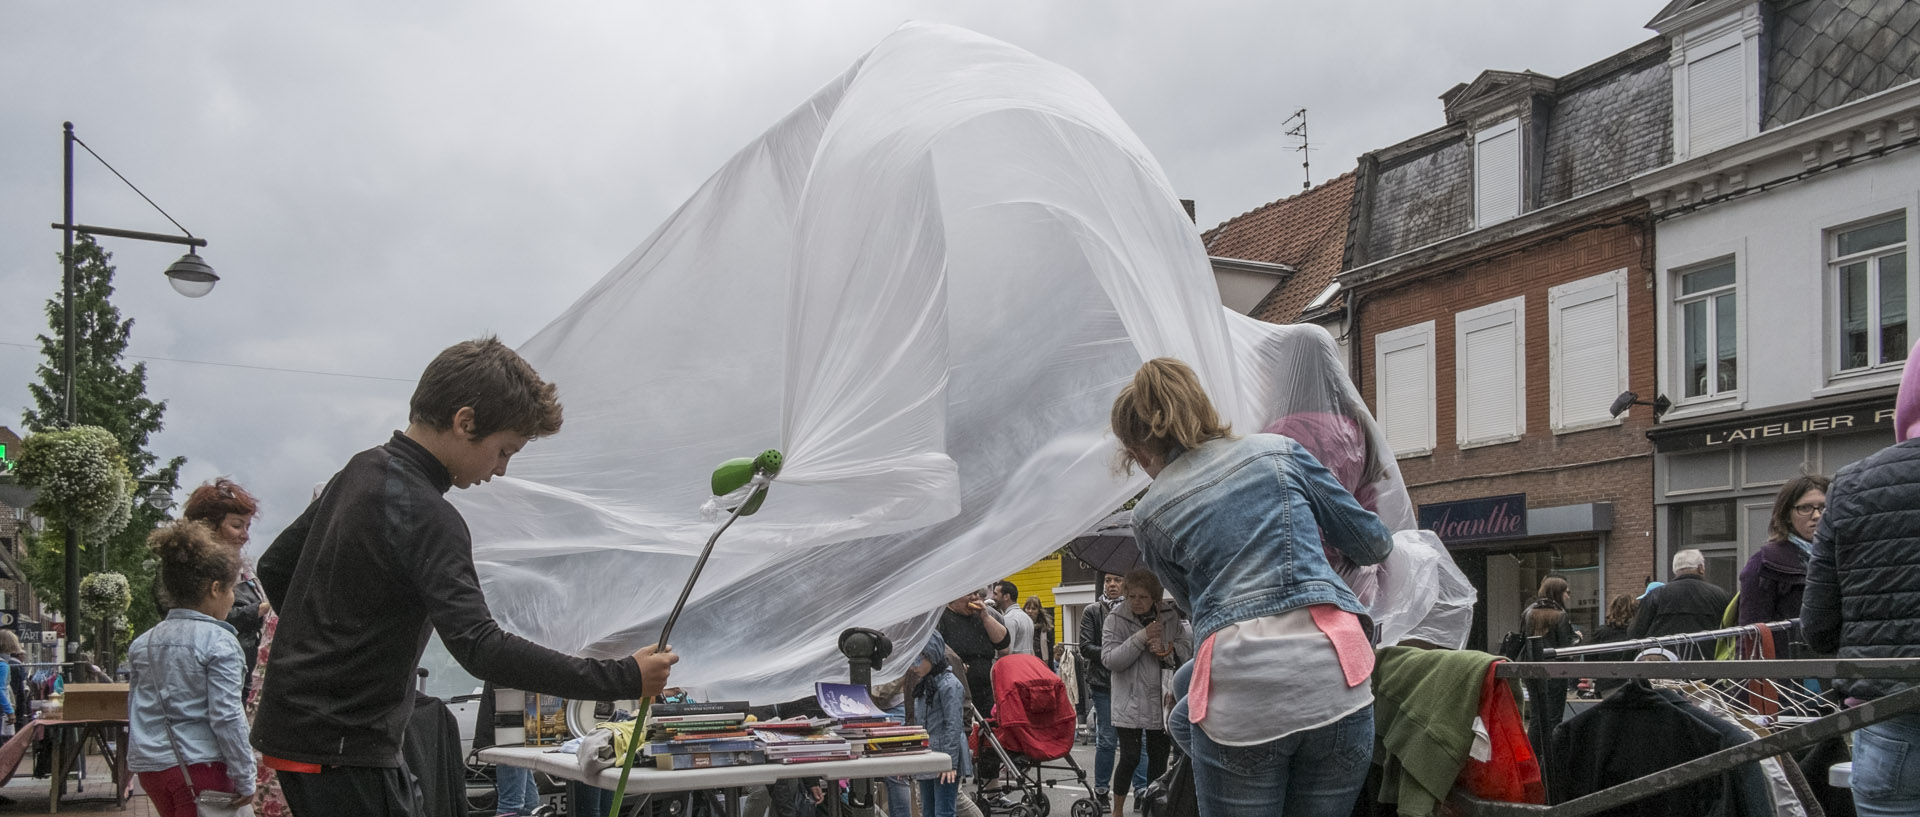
point(187, 671)
point(1233, 528)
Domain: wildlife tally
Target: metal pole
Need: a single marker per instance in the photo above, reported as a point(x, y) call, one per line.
point(71, 602)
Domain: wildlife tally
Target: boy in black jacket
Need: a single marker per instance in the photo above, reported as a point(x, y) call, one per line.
point(380, 561)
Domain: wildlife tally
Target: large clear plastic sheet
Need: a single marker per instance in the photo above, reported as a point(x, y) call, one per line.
point(925, 285)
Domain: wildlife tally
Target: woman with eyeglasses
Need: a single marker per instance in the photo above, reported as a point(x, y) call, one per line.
point(1776, 576)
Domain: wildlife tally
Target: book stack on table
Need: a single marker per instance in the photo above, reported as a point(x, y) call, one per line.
point(701, 736)
point(803, 740)
point(876, 737)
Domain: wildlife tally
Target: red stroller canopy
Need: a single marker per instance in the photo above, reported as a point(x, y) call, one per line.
point(1031, 713)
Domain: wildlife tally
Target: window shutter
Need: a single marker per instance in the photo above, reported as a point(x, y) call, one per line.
point(1496, 174)
point(1403, 368)
point(1589, 364)
point(1490, 380)
point(1716, 101)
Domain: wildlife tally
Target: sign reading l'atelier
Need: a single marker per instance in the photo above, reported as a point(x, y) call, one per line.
point(1477, 520)
point(1772, 429)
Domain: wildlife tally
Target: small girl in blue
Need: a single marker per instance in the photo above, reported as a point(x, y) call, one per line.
point(184, 705)
point(939, 705)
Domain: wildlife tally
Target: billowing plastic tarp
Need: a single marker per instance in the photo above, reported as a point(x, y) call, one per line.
point(926, 285)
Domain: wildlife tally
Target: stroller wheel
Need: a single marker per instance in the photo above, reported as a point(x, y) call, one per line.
point(1085, 807)
point(1037, 803)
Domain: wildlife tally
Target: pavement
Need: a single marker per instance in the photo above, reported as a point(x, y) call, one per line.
point(28, 795)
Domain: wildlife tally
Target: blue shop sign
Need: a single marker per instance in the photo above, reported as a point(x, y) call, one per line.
point(1485, 519)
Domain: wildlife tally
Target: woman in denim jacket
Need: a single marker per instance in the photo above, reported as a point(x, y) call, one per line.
point(187, 671)
point(1233, 527)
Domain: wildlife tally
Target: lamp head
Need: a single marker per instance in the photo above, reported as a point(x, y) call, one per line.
point(1627, 399)
point(1622, 403)
point(735, 473)
point(191, 276)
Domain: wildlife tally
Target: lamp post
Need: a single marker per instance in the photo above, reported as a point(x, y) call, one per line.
point(189, 276)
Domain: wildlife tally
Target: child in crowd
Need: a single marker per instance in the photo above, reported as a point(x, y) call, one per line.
point(939, 706)
point(187, 673)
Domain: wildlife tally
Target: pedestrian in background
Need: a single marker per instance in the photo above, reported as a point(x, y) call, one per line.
point(1862, 591)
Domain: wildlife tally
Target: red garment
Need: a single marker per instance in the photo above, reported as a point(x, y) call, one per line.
point(170, 795)
point(1512, 775)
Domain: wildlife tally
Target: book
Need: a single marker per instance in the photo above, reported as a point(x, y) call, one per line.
point(694, 747)
point(713, 710)
point(699, 717)
point(708, 760)
point(546, 720)
point(846, 701)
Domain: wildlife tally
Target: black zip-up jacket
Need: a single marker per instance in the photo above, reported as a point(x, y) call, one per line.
point(1863, 583)
point(1092, 621)
point(361, 580)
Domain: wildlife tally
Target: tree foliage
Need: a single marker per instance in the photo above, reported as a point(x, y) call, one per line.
point(113, 397)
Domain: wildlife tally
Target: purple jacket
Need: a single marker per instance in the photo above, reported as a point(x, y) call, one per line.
point(1772, 583)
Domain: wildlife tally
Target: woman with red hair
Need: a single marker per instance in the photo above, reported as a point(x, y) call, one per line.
point(227, 508)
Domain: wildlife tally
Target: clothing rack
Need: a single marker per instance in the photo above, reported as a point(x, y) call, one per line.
point(1784, 740)
point(1678, 639)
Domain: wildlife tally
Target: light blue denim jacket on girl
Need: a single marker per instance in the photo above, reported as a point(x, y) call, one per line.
point(187, 671)
point(1233, 528)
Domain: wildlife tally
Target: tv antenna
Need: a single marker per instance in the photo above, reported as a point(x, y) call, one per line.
point(1300, 130)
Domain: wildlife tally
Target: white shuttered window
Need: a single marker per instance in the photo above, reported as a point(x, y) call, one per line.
point(1490, 370)
point(1587, 339)
point(1716, 99)
point(1496, 173)
point(1403, 388)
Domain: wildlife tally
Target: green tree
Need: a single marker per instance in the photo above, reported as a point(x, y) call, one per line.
point(112, 396)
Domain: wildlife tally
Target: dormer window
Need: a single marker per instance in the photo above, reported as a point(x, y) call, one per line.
point(1496, 173)
point(1714, 56)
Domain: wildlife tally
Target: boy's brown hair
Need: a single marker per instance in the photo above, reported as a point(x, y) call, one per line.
point(501, 387)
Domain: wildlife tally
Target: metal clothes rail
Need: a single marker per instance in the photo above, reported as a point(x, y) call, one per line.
point(1782, 741)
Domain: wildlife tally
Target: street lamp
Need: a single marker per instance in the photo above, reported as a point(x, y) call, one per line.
point(190, 276)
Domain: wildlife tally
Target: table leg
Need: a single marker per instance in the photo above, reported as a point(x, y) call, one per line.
point(58, 786)
point(121, 737)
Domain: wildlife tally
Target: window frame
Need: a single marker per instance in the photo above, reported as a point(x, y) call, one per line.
point(1514, 311)
point(1577, 293)
point(1407, 337)
point(1829, 250)
point(1678, 304)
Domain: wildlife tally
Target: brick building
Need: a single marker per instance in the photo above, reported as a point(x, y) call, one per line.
point(1498, 290)
point(15, 594)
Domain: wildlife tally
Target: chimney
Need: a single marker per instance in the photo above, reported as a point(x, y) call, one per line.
point(1187, 204)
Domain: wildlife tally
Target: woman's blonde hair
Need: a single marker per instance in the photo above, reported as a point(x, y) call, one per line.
point(1162, 408)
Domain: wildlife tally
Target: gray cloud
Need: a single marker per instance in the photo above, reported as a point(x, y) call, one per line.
point(379, 180)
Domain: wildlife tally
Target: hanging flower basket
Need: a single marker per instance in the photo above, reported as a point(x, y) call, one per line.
point(81, 477)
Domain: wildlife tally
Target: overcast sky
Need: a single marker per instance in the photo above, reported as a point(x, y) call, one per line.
point(378, 180)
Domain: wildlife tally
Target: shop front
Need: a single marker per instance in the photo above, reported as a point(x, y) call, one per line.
point(1507, 548)
point(1715, 478)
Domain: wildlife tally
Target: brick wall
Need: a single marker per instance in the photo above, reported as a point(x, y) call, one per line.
point(1611, 464)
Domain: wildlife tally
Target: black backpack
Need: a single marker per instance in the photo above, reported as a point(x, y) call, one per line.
point(1513, 645)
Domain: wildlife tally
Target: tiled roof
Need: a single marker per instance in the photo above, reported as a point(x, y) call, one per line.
point(1307, 232)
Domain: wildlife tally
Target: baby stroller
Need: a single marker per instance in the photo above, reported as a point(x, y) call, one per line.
point(1033, 724)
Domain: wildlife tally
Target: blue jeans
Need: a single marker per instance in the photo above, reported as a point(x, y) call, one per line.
point(1106, 744)
point(939, 799)
point(899, 789)
point(1886, 767)
point(589, 801)
point(1315, 773)
point(516, 793)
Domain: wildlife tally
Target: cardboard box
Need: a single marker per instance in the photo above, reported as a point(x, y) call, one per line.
point(94, 702)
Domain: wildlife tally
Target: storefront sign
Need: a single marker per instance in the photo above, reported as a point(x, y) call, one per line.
point(29, 631)
point(9, 619)
point(1775, 429)
point(1485, 519)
